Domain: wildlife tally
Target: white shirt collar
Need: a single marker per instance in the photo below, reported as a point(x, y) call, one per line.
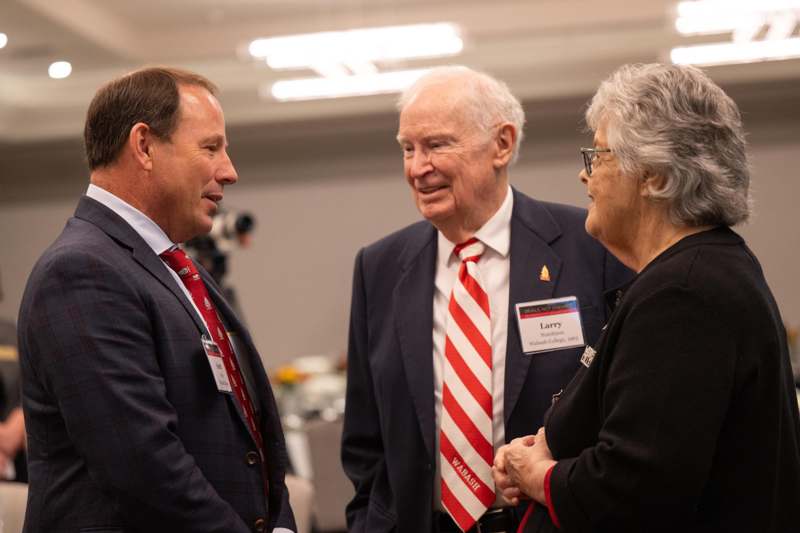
point(148, 230)
point(496, 233)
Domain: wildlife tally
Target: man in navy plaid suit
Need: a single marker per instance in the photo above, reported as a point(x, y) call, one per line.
point(128, 429)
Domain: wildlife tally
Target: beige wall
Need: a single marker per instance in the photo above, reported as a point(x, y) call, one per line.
point(323, 192)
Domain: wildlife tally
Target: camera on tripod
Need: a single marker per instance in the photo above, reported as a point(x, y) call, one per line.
point(230, 230)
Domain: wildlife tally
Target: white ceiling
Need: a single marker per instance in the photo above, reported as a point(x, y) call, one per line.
point(545, 49)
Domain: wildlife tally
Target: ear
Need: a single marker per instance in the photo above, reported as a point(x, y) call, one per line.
point(141, 144)
point(651, 182)
point(504, 142)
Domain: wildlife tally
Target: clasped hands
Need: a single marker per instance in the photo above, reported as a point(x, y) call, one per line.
point(520, 467)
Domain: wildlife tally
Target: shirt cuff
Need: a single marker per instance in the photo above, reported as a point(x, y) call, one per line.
point(550, 509)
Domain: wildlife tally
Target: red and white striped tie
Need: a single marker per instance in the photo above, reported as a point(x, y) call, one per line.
point(466, 436)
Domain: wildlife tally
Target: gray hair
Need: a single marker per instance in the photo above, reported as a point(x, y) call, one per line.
point(673, 121)
point(486, 99)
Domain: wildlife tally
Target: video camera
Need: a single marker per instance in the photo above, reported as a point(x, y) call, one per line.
point(230, 230)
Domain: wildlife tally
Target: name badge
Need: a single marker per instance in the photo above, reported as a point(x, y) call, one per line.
point(548, 325)
point(214, 356)
point(588, 356)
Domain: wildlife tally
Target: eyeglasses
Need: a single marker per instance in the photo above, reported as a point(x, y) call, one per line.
point(589, 155)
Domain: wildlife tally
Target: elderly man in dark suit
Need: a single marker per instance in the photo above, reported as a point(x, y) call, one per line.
point(464, 326)
point(146, 403)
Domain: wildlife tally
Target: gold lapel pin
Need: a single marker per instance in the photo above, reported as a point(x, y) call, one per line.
point(544, 275)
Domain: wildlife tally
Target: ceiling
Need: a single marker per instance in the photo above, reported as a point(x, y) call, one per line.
point(547, 50)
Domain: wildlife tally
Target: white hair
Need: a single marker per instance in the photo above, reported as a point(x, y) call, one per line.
point(487, 100)
point(673, 121)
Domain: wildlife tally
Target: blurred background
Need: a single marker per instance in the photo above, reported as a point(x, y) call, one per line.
point(311, 123)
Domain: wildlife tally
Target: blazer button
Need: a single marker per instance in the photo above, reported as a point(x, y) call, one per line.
point(251, 458)
point(260, 525)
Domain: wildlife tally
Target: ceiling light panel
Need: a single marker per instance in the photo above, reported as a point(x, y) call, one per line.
point(759, 30)
point(356, 85)
point(729, 53)
point(391, 43)
point(349, 62)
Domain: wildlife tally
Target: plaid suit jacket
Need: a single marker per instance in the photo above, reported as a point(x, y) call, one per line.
point(126, 429)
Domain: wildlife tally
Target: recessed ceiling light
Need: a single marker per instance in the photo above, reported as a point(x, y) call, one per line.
point(59, 69)
point(730, 53)
point(356, 85)
point(351, 62)
point(3, 40)
point(358, 47)
point(705, 17)
point(746, 22)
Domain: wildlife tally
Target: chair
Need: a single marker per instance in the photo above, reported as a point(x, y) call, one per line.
point(332, 489)
point(13, 499)
point(301, 494)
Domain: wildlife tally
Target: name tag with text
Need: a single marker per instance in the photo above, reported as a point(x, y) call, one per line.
point(216, 363)
point(548, 325)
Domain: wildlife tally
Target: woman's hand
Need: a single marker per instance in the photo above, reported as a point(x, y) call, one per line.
point(503, 480)
point(520, 467)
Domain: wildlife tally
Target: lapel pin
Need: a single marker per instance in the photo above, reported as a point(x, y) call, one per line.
point(544, 275)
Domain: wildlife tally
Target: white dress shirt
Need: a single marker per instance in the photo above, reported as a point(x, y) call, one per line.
point(495, 268)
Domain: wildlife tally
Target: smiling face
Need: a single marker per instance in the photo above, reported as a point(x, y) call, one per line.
point(616, 201)
point(456, 176)
point(192, 167)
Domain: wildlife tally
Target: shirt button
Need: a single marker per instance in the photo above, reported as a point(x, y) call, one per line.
point(260, 525)
point(251, 458)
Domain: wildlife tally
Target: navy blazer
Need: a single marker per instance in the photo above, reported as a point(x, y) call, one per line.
point(126, 429)
point(388, 443)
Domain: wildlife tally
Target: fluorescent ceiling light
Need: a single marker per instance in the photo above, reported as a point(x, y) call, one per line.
point(745, 20)
point(722, 23)
point(746, 52)
point(59, 70)
point(781, 25)
point(348, 61)
point(356, 85)
point(716, 8)
point(720, 16)
point(359, 47)
point(3, 40)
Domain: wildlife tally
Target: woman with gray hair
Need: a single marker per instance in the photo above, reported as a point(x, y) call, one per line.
point(683, 415)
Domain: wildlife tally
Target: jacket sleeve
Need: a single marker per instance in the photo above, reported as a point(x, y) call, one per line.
point(362, 445)
point(88, 336)
point(285, 521)
point(286, 516)
point(663, 399)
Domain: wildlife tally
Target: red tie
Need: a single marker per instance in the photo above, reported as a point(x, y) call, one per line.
point(465, 440)
point(180, 263)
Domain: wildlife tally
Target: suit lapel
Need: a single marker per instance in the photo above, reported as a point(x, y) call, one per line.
point(413, 312)
point(232, 322)
point(93, 211)
point(115, 226)
point(532, 231)
point(153, 264)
